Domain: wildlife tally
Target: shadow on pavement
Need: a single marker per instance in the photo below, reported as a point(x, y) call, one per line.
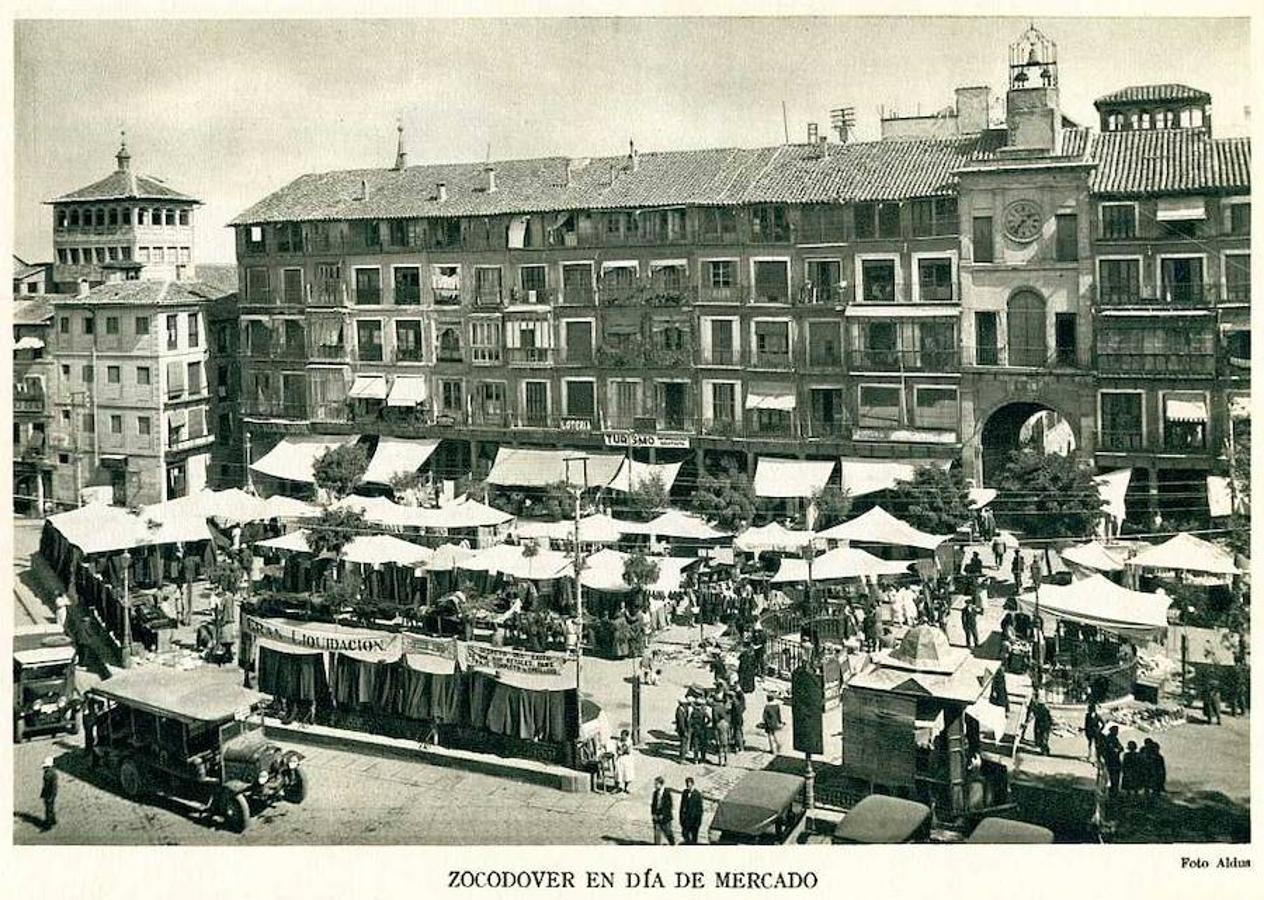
point(78, 765)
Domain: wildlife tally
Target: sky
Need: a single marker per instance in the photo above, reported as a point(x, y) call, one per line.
point(229, 111)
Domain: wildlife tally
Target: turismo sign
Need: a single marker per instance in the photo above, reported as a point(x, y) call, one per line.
point(636, 439)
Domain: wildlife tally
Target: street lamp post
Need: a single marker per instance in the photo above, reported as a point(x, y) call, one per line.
point(125, 651)
point(578, 491)
point(1039, 628)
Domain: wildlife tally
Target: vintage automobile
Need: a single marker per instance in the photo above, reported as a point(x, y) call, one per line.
point(993, 830)
point(879, 819)
point(195, 735)
point(45, 700)
point(763, 808)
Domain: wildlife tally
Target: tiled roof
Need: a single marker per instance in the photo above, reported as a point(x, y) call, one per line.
point(146, 293)
point(21, 268)
point(32, 311)
point(125, 186)
point(1169, 162)
point(1149, 93)
point(222, 276)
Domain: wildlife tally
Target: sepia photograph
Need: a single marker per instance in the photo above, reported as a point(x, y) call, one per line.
point(801, 430)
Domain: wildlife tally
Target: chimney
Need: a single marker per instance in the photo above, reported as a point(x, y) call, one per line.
point(401, 158)
point(973, 104)
point(83, 288)
point(363, 193)
point(568, 172)
point(612, 173)
point(813, 132)
point(491, 179)
point(441, 191)
point(634, 156)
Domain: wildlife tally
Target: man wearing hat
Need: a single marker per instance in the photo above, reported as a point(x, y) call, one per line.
point(48, 793)
point(684, 728)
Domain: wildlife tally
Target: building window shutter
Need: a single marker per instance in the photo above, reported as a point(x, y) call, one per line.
point(175, 379)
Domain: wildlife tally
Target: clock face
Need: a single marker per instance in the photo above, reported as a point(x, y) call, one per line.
point(1023, 220)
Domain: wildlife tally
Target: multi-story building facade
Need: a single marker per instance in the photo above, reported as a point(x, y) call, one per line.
point(33, 378)
point(915, 299)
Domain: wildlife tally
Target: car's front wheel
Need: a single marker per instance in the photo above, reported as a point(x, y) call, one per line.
point(236, 812)
point(129, 778)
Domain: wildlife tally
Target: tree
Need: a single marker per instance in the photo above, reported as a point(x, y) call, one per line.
point(1049, 495)
point(339, 469)
point(729, 499)
point(639, 571)
point(334, 529)
point(935, 500)
point(649, 495)
point(833, 504)
point(1240, 479)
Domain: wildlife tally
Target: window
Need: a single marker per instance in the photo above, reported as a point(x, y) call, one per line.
point(936, 346)
point(368, 286)
point(1178, 229)
point(1119, 221)
point(86, 374)
point(63, 459)
point(721, 273)
point(1064, 339)
point(194, 372)
point(772, 281)
point(484, 342)
point(224, 429)
point(1068, 237)
point(1121, 421)
point(100, 218)
point(724, 402)
point(824, 348)
point(1237, 275)
point(289, 237)
point(116, 424)
point(934, 278)
point(879, 406)
point(579, 342)
point(329, 284)
point(881, 346)
point(398, 232)
point(1026, 314)
point(1239, 218)
point(772, 344)
point(89, 423)
point(877, 220)
point(175, 379)
point(937, 216)
point(169, 217)
point(173, 332)
point(1181, 279)
point(177, 482)
point(1120, 281)
point(63, 325)
point(580, 399)
point(65, 371)
point(254, 237)
point(142, 374)
point(407, 285)
point(668, 278)
point(769, 225)
point(822, 222)
point(935, 407)
point(194, 329)
point(113, 374)
point(292, 286)
point(722, 350)
point(89, 324)
point(143, 425)
point(878, 279)
point(409, 341)
point(486, 286)
point(369, 340)
point(533, 278)
point(444, 232)
point(625, 403)
point(719, 225)
point(491, 399)
point(451, 396)
point(184, 217)
point(257, 288)
point(984, 247)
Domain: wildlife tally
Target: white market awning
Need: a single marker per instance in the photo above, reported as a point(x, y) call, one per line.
point(463, 513)
point(603, 571)
point(398, 456)
point(773, 537)
point(293, 455)
point(771, 398)
point(597, 528)
point(1181, 209)
point(863, 476)
point(981, 497)
point(1185, 408)
point(512, 560)
point(518, 467)
point(408, 390)
point(838, 564)
point(365, 549)
point(877, 526)
point(368, 387)
point(1099, 602)
point(1092, 556)
point(676, 523)
point(632, 473)
point(781, 478)
point(1186, 553)
point(1220, 499)
point(1113, 489)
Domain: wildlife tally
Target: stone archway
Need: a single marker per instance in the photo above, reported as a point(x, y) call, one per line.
point(1013, 424)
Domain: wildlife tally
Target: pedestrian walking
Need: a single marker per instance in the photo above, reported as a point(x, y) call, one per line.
point(48, 793)
point(998, 550)
point(970, 624)
point(773, 724)
point(1042, 720)
point(684, 728)
point(974, 568)
point(690, 812)
point(1016, 569)
point(1092, 729)
point(661, 812)
point(1111, 751)
point(1211, 703)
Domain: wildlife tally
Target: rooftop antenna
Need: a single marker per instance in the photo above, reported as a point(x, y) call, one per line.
point(785, 122)
point(843, 120)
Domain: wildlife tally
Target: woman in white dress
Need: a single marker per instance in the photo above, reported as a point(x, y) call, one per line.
point(625, 767)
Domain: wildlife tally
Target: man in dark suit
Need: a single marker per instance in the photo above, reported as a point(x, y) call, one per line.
point(48, 793)
point(684, 728)
point(661, 812)
point(690, 812)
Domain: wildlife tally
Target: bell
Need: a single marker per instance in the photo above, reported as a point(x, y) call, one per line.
point(1020, 78)
point(1046, 76)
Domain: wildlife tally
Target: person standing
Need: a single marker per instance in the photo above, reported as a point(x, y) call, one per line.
point(48, 793)
point(1211, 703)
point(625, 768)
point(1132, 771)
point(698, 729)
point(1016, 569)
point(999, 695)
point(661, 812)
point(737, 715)
point(970, 624)
point(1092, 728)
point(998, 550)
point(1042, 719)
point(720, 729)
point(1111, 751)
point(690, 813)
point(683, 728)
point(1156, 767)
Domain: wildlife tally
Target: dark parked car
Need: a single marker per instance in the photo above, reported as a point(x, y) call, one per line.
point(762, 808)
point(45, 699)
point(994, 830)
point(879, 819)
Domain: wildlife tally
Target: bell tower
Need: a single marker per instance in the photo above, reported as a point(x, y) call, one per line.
point(1032, 116)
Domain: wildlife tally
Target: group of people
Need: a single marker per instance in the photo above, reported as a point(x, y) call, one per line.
point(711, 724)
point(661, 812)
point(1130, 770)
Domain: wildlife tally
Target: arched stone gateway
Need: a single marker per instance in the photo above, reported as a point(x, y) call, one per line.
point(1014, 424)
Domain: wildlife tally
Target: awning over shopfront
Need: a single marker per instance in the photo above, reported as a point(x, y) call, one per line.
point(1113, 489)
point(293, 455)
point(520, 467)
point(1185, 407)
point(1092, 556)
point(771, 397)
point(463, 513)
point(862, 476)
point(1099, 602)
point(513, 561)
point(773, 537)
point(368, 387)
point(398, 456)
point(408, 390)
point(877, 526)
point(1181, 209)
point(632, 473)
point(279, 506)
point(781, 478)
point(1186, 553)
point(839, 563)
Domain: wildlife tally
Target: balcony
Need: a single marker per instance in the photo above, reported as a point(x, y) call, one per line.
point(904, 360)
point(731, 294)
point(533, 296)
point(334, 411)
point(334, 352)
point(275, 409)
point(819, 429)
point(822, 295)
point(530, 356)
point(447, 355)
point(291, 351)
point(483, 356)
point(30, 403)
point(177, 443)
point(577, 356)
point(638, 356)
point(1171, 295)
point(1156, 363)
point(647, 293)
point(767, 359)
point(371, 353)
point(720, 356)
point(407, 295)
point(409, 355)
point(486, 300)
point(1120, 441)
point(368, 296)
point(450, 297)
point(330, 294)
point(582, 295)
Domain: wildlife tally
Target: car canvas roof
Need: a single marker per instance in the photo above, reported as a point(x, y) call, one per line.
point(994, 830)
point(756, 801)
point(194, 695)
point(48, 642)
point(879, 819)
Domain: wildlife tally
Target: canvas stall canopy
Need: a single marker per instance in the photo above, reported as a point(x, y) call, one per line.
point(1099, 602)
point(518, 467)
point(837, 564)
point(515, 561)
point(1092, 556)
point(773, 537)
point(676, 524)
point(1186, 553)
point(365, 549)
point(862, 476)
point(597, 528)
point(791, 478)
point(631, 474)
point(603, 571)
point(877, 526)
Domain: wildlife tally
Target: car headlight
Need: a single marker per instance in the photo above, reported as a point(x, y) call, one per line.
point(61, 702)
point(263, 777)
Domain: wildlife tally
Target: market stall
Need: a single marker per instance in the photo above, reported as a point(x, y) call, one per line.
point(877, 527)
point(459, 520)
point(772, 538)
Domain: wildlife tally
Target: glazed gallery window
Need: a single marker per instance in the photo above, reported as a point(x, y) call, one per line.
point(1119, 221)
point(879, 406)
